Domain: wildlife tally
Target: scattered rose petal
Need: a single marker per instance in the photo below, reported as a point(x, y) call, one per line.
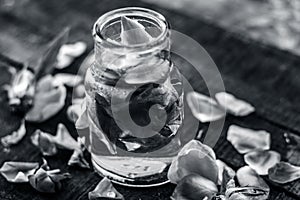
point(245, 140)
point(64, 139)
point(262, 161)
point(132, 32)
point(18, 172)
point(248, 177)
point(22, 85)
point(48, 101)
point(195, 187)
point(44, 142)
point(105, 190)
point(15, 137)
point(73, 112)
point(284, 172)
point(77, 159)
point(204, 108)
point(47, 181)
point(191, 159)
point(68, 52)
point(233, 105)
point(225, 173)
point(66, 79)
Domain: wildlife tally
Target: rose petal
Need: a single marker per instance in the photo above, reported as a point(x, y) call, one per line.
point(194, 158)
point(73, 112)
point(245, 140)
point(68, 52)
point(64, 139)
point(15, 137)
point(284, 172)
point(233, 105)
point(77, 159)
point(105, 190)
point(79, 92)
point(66, 79)
point(205, 109)
point(18, 172)
point(47, 181)
point(248, 177)
point(48, 100)
point(262, 161)
point(44, 142)
point(132, 32)
point(225, 173)
point(195, 187)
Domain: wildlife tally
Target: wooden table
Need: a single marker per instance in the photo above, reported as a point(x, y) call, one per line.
point(265, 76)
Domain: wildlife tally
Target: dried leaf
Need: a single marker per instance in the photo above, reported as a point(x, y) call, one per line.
point(15, 137)
point(194, 158)
point(195, 187)
point(66, 79)
point(47, 181)
point(132, 32)
point(44, 142)
point(18, 172)
point(105, 190)
point(284, 172)
point(245, 140)
point(262, 161)
point(77, 159)
point(204, 108)
point(248, 177)
point(48, 100)
point(64, 139)
point(47, 61)
point(233, 105)
point(68, 52)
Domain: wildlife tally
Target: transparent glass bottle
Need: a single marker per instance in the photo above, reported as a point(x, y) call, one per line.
point(134, 99)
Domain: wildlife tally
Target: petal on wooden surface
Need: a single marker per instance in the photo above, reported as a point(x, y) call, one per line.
point(204, 108)
point(64, 139)
point(225, 173)
point(105, 190)
point(194, 187)
point(47, 181)
point(248, 177)
point(233, 105)
point(44, 142)
point(18, 172)
point(245, 140)
point(293, 148)
point(15, 137)
point(194, 158)
point(77, 158)
point(284, 172)
point(262, 161)
point(48, 100)
point(68, 52)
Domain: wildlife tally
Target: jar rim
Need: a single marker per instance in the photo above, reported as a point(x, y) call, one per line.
point(127, 11)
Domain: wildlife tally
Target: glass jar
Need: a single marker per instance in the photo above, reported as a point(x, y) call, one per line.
point(134, 98)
